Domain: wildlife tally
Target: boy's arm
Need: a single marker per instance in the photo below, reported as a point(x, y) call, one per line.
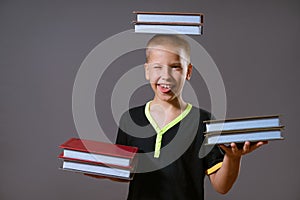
point(225, 177)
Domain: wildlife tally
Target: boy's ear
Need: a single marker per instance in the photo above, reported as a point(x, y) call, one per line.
point(146, 71)
point(189, 72)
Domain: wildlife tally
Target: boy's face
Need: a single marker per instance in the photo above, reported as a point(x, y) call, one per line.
point(167, 71)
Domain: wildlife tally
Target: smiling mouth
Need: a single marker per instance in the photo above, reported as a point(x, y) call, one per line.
point(164, 88)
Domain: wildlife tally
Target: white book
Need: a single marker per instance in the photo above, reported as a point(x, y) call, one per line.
point(242, 123)
point(251, 136)
point(168, 29)
point(96, 169)
point(178, 17)
point(112, 160)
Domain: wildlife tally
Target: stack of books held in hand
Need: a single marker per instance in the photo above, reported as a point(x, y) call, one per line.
point(99, 158)
point(168, 22)
point(239, 130)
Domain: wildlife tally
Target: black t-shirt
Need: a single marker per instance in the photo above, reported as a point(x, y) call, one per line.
point(178, 173)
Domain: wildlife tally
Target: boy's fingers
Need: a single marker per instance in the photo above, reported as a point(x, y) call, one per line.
point(246, 147)
point(225, 148)
point(231, 149)
point(258, 144)
point(234, 147)
point(262, 143)
point(93, 175)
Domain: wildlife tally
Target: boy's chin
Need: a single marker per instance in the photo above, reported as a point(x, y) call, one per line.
point(170, 97)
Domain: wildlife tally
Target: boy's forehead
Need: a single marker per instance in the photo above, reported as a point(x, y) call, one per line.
point(166, 47)
point(169, 49)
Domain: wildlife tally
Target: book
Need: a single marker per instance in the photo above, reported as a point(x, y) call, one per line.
point(100, 152)
point(242, 135)
point(131, 167)
point(164, 28)
point(242, 123)
point(96, 168)
point(178, 17)
point(168, 22)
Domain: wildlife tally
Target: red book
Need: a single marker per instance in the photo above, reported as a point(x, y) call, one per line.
point(99, 152)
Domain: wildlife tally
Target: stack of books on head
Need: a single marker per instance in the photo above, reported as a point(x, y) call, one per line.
point(239, 130)
point(95, 157)
point(168, 22)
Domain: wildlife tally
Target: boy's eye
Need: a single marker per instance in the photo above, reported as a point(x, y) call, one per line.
point(156, 66)
point(176, 67)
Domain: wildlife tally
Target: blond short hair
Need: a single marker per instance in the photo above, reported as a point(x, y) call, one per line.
point(176, 41)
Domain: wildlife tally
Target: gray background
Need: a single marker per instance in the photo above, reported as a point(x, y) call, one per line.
point(254, 43)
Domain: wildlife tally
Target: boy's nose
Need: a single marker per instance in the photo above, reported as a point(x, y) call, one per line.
point(166, 72)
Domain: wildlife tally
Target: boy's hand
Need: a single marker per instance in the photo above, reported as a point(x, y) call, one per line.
point(225, 177)
point(105, 177)
point(232, 151)
point(95, 176)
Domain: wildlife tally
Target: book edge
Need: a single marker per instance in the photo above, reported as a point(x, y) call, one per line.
point(167, 13)
point(241, 119)
point(219, 142)
point(279, 128)
point(94, 173)
point(129, 167)
point(167, 23)
point(129, 154)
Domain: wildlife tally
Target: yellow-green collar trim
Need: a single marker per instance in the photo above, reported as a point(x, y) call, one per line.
point(159, 131)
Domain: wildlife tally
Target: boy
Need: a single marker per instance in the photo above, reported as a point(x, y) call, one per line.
point(169, 133)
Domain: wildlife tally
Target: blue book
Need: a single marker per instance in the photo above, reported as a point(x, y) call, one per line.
point(177, 17)
point(242, 135)
point(168, 28)
point(168, 23)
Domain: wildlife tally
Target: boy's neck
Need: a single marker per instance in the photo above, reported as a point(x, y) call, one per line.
point(176, 104)
point(163, 112)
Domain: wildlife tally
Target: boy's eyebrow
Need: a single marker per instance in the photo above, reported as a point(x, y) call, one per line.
point(176, 63)
point(170, 65)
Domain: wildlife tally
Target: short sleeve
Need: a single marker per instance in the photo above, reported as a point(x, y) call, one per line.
point(213, 160)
